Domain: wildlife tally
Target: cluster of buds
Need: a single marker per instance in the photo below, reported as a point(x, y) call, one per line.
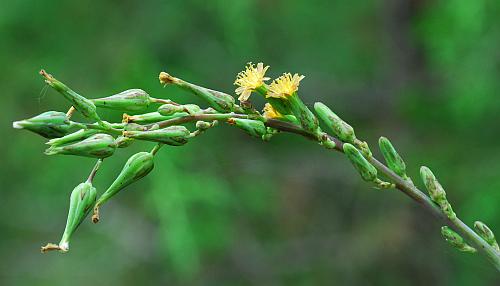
point(162, 121)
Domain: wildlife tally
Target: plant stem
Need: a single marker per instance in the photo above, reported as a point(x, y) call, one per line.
point(403, 185)
point(413, 192)
point(196, 117)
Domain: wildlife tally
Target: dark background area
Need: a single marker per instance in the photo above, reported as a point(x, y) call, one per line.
point(227, 209)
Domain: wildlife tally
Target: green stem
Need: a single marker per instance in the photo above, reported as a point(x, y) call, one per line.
point(413, 192)
point(197, 117)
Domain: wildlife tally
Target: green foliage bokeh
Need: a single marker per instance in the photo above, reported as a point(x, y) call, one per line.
point(227, 209)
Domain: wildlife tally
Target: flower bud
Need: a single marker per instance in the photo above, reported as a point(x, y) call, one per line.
point(392, 158)
point(136, 167)
point(307, 119)
point(365, 169)
point(85, 106)
point(253, 128)
point(485, 232)
point(129, 100)
point(456, 240)
point(203, 125)
point(436, 191)
point(220, 101)
point(340, 128)
point(75, 136)
point(123, 142)
point(50, 124)
point(96, 146)
point(173, 135)
point(82, 200)
point(170, 109)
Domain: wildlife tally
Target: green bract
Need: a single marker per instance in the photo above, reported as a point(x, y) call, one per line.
point(173, 135)
point(129, 100)
point(50, 124)
point(96, 146)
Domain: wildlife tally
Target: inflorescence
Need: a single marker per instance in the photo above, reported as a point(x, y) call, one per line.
point(284, 111)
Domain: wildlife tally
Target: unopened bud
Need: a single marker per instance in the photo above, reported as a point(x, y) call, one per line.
point(170, 109)
point(75, 136)
point(81, 202)
point(203, 125)
point(365, 169)
point(436, 191)
point(307, 119)
point(340, 128)
point(129, 100)
point(485, 232)
point(392, 158)
point(220, 101)
point(173, 135)
point(136, 167)
point(85, 106)
point(123, 142)
point(456, 240)
point(50, 124)
point(96, 146)
point(253, 128)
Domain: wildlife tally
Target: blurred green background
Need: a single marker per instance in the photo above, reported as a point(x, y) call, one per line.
point(227, 209)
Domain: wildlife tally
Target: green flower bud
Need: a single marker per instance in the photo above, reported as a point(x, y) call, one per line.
point(191, 108)
point(485, 232)
point(136, 167)
point(203, 125)
point(75, 136)
point(170, 109)
point(340, 128)
point(150, 117)
point(220, 101)
point(365, 169)
point(253, 128)
point(80, 103)
point(50, 124)
point(82, 200)
point(173, 135)
point(436, 191)
point(392, 158)
point(129, 100)
point(96, 146)
point(123, 142)
point(456, 240)
point(307, 119)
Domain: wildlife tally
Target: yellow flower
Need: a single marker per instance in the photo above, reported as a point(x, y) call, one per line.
point(250, 79)
point(270, 112)
point(285, 85)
